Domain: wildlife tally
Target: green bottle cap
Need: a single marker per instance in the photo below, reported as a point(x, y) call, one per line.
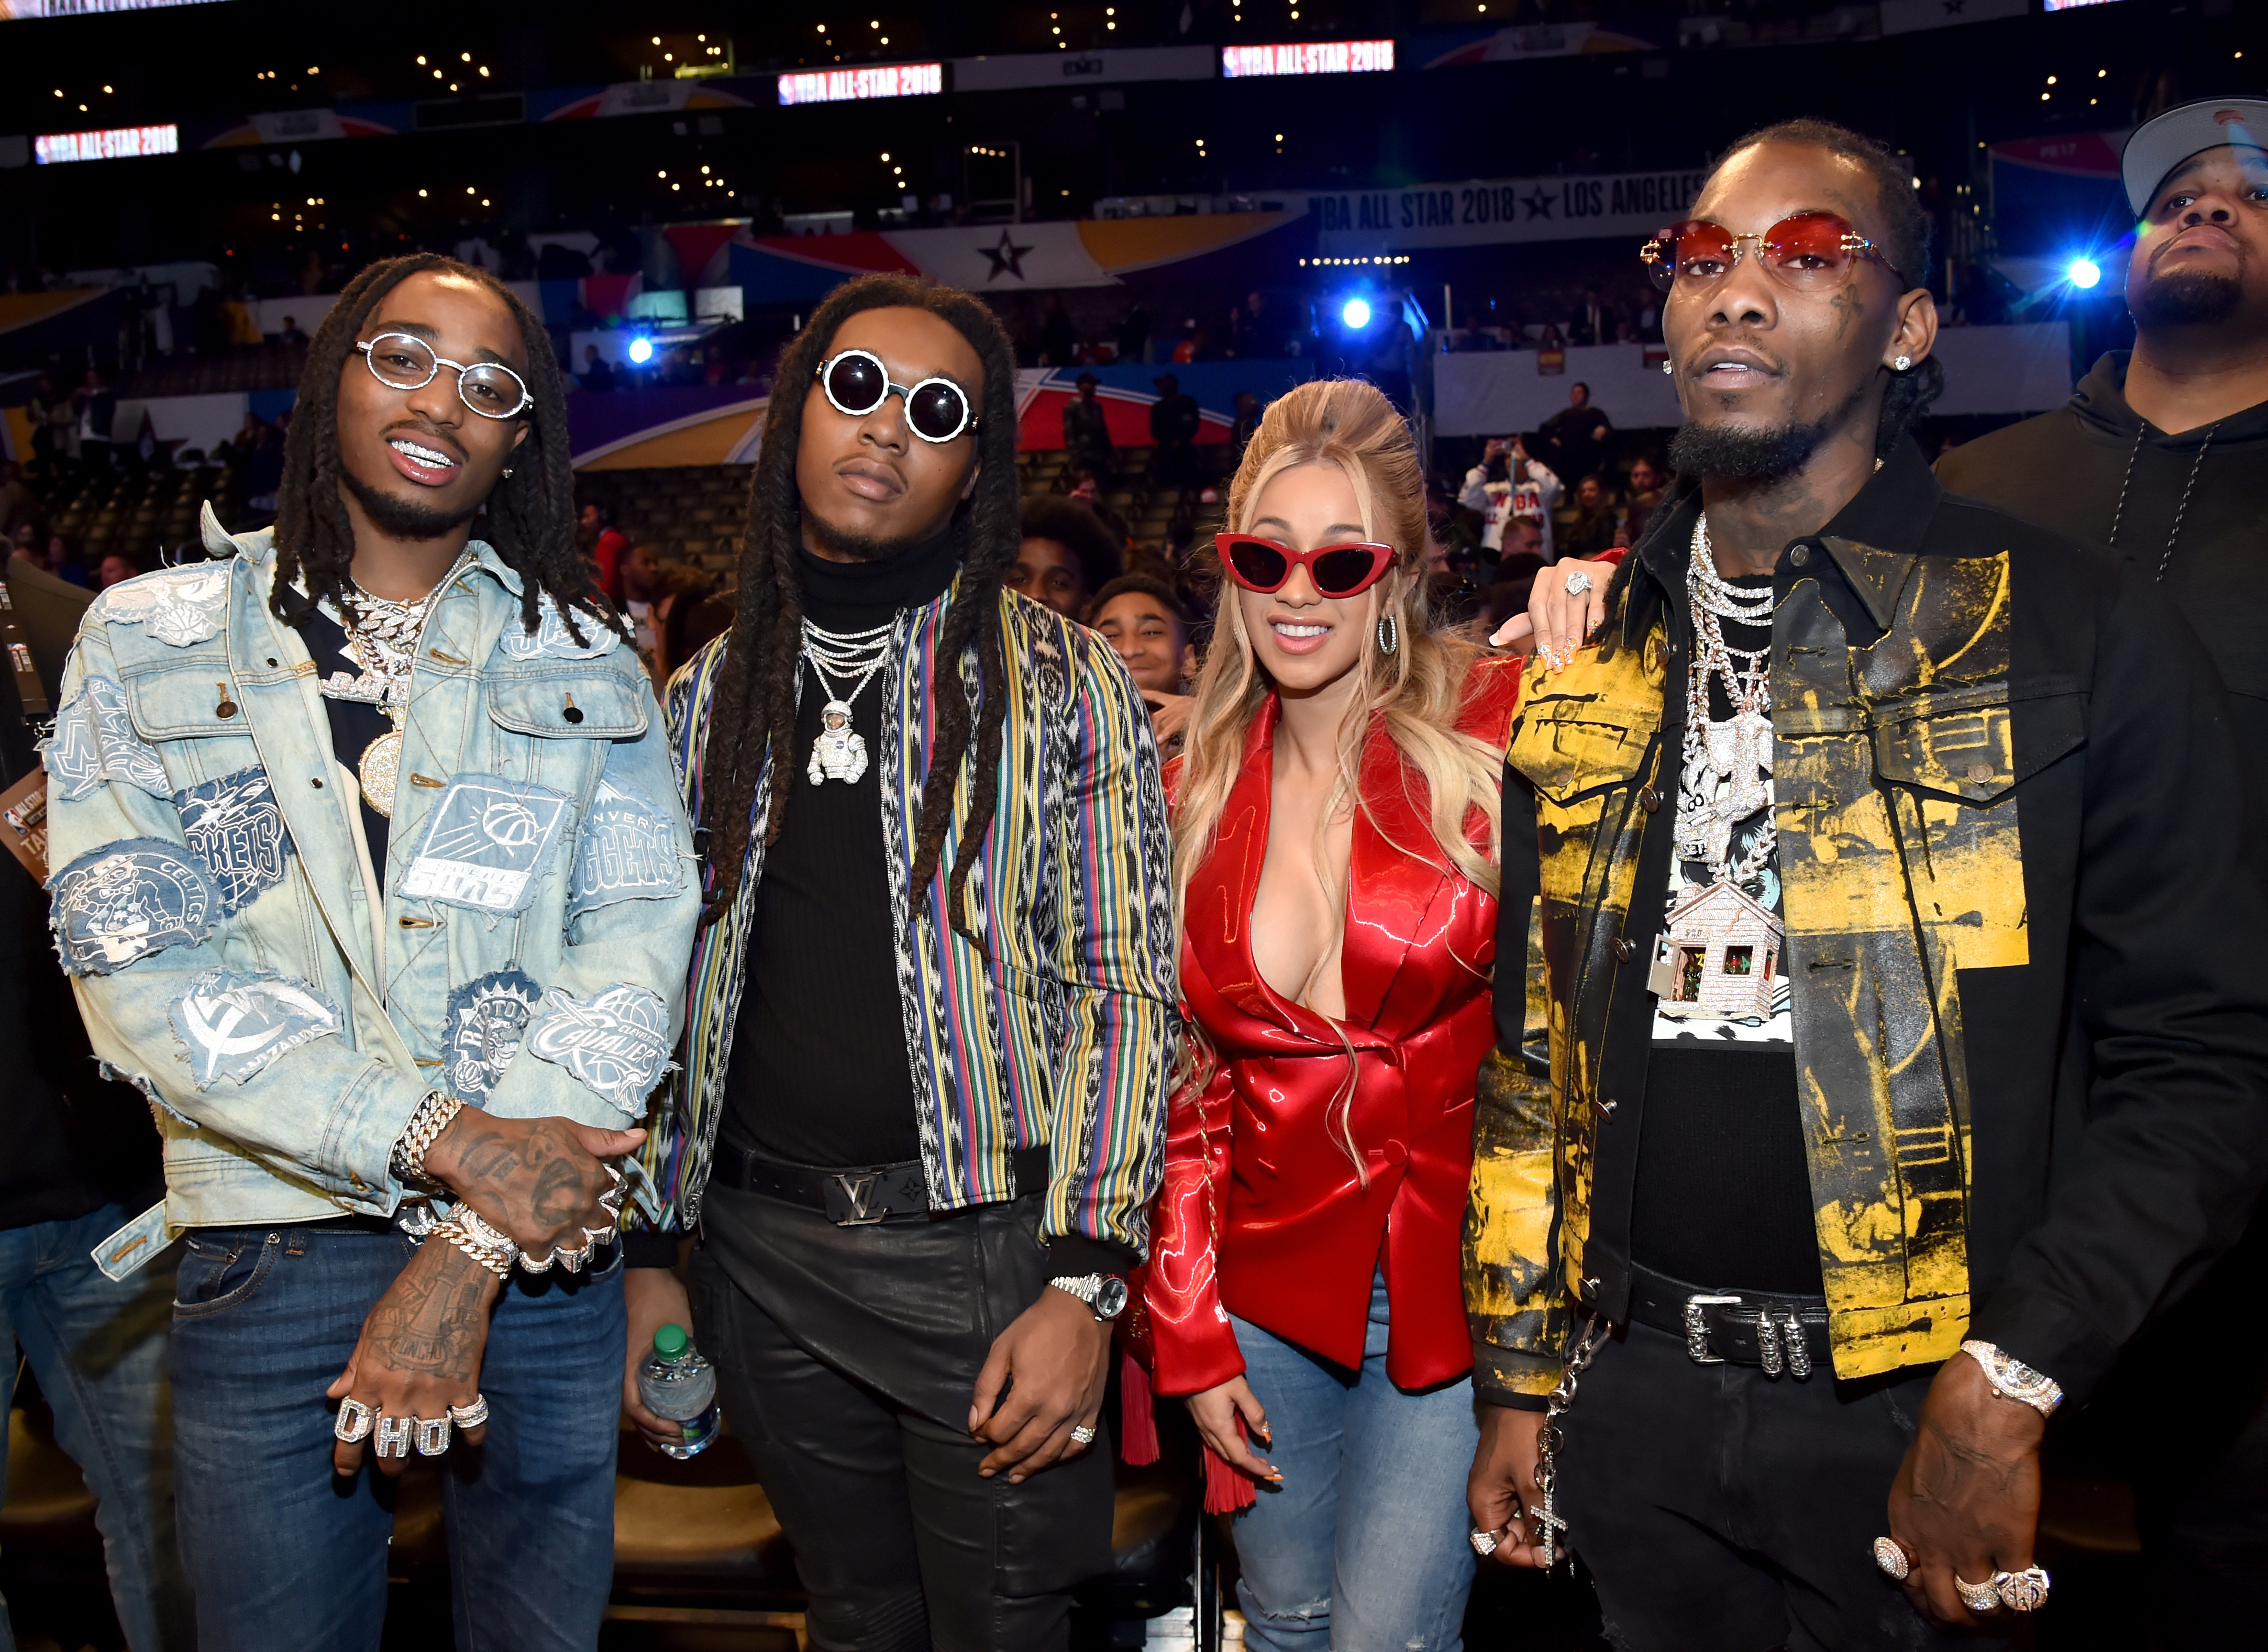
point(670, 1341)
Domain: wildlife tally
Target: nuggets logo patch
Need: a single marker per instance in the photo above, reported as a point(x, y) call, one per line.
point(116, 905)
point(234, 1024)
point(552, 639)
point(177, 606)
point(487, 1020)
point(235, 827)
point(485, 844)
point(626, 850)
point(617, 1043)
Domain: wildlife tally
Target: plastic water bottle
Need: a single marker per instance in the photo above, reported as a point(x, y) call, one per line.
point(678, 1386)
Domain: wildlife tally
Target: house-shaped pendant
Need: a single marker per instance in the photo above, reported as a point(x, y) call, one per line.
point(1717, 956)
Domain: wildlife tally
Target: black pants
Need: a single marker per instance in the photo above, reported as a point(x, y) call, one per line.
point(1722, 1510)
point(846, 1360)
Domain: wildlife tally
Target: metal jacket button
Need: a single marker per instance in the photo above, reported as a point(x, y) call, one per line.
point(226, 708)
point(1624, 948)
point(573, 714)
point(1800, 555)
point(1396, 1153)
point(1648, 799)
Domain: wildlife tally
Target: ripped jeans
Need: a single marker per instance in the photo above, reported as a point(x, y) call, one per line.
point(1363, 1548)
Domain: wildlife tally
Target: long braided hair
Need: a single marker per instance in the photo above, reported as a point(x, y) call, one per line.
point(753, 713)
point(528, 517)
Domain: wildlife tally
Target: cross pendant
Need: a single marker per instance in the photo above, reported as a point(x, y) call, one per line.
point(1548, 1526)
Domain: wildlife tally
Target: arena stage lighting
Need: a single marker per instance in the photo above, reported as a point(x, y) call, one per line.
point(1356, 314)
point(641, 350)
point(2082, 273)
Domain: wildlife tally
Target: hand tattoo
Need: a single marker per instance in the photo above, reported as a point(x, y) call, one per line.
point(432, 1320)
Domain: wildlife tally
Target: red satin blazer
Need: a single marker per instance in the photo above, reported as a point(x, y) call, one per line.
point(1261, 1211)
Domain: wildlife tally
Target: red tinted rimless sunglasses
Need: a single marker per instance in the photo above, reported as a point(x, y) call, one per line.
point(1264, 567)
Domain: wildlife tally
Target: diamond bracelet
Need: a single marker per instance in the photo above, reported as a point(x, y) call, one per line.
point(2012, 1379)
point(433, 1116)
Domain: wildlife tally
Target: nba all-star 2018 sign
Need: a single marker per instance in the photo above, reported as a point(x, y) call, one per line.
point(1481, 211)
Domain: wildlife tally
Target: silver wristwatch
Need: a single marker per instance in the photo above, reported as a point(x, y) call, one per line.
point(1105, 1293)
point(2012, 1379)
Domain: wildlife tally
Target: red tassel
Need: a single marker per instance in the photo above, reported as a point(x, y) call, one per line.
point(1227, 1489)
point(1138, 1417)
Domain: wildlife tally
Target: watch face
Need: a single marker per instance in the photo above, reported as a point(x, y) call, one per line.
point(1111, 1300)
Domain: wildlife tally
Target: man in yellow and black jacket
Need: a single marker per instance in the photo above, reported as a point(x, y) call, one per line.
point(1845, 1126)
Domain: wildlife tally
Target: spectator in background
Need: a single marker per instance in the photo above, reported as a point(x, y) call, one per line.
point(263, 468)
point(688, 613)
point(640, 571)
point(50, 411)
point(18, 504)
point(596, 374)
point(1595, 522)
point(1057, 342)
point(1247, 423)
point(97, 409)
point(1174, 421)
point(1147, 626)
point(290, 334)
point(1066, 556)
point(1087, 431)
point(1645, 494)
point(1515, 576)
point(603, 545)
point(63, 561)
point(1573, 436)
point(1506, 485)
point(1593, 323)
point(1250, 329)
point(115, 568)
point(1134, 335)
point(1186, 351)
point(1086, 488)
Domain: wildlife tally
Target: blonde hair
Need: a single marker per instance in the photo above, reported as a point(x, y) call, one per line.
point(1418, 689)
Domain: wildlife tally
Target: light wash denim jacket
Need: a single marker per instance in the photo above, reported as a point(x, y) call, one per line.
point(215, 906)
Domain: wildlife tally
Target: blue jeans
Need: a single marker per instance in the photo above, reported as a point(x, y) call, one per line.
point(98, 1350)
point(283, 1555)
point(1364, 1546)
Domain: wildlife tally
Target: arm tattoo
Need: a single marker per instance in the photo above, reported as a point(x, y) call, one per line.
point(434, 1319)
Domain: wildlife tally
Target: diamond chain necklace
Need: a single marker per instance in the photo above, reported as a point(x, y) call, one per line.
point(1727, 756)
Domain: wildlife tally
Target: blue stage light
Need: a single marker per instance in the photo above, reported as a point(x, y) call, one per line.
point(1356, 314)
point(641, 351)
point(2082, 273)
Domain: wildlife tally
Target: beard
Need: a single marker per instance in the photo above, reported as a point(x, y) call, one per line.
point(404, 519)
point(856, 547)
point(2188, 298)
point(1752, 454)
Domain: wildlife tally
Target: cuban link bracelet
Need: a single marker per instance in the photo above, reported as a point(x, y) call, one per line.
point(433, 1116)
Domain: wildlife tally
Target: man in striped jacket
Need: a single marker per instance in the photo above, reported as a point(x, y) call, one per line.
point(931, 1021)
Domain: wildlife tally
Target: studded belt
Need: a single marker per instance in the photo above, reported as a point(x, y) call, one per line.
point(1775, 1331)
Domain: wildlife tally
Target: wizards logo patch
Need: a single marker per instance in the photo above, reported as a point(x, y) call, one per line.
point(235, 827)
point(115, 905)
point(487, 1020)
point(235, 1023)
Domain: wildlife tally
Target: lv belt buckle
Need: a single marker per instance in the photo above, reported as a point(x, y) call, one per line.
point(851, 1200)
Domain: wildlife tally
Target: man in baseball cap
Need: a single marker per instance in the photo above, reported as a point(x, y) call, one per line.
point(2161, 453)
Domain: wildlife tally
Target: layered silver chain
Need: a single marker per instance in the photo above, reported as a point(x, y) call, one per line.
point(846, 655)
point(1724, 775)
point(382, 636)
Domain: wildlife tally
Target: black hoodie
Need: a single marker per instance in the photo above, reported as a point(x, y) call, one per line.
point(2064, 470)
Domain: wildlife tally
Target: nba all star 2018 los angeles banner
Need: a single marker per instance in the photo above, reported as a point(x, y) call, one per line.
point(1479, 211)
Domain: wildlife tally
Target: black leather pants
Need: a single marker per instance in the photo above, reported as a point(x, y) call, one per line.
point(846, 1358)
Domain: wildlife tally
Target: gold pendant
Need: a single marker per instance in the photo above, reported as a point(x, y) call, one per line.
point(380, 770)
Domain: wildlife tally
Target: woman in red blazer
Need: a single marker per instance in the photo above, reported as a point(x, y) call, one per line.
point(1336, 841)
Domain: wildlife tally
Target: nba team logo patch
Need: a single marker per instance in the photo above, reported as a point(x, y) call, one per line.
point(235, 827)
point(487, 1020)
point(626, 850)
point(617, 1042)
point(116, 905)
point(177, 606)
point(94, 741)
point(234, 1024)
point(552, 639)
point(485, 843)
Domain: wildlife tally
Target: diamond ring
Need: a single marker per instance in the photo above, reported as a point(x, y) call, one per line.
point(1484, 1542)
point(2021, 1591)
point(1976, 1596)
point(473, 1415)
point(1890, 1555)
point(394, 1434)
point(1083, 1435)
point(354, 1422)
point(1578, 583)
point(432, 1436)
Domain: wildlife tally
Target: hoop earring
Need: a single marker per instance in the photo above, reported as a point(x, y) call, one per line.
point(1389, 635)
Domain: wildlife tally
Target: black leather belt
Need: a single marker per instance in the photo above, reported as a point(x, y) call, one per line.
point(1778, 1331)
point(857, 1197)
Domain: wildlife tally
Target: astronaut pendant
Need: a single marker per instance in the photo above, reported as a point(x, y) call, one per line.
point(839, 753)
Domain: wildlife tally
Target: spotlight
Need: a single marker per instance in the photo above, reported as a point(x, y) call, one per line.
point(641, 351)
point(1356, 313)
point(2082, 273)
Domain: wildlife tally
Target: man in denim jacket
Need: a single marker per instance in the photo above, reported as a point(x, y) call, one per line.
point(345, 996)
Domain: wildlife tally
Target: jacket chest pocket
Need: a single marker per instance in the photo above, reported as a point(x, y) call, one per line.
point(191, 713)
point(1964, 746)
point(1570, 759)
point(572, 718)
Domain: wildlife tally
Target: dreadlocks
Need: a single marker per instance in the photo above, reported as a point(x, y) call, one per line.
point(1906, 227)
point(529, 516)
point(753, 714)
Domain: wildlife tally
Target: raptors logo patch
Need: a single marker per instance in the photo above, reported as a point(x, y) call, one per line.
point(487, 1020)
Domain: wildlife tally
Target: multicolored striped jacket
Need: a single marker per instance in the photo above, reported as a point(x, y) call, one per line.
point(1065, 1034)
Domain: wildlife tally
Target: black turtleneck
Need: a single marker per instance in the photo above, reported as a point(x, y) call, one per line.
point(820, 1070)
